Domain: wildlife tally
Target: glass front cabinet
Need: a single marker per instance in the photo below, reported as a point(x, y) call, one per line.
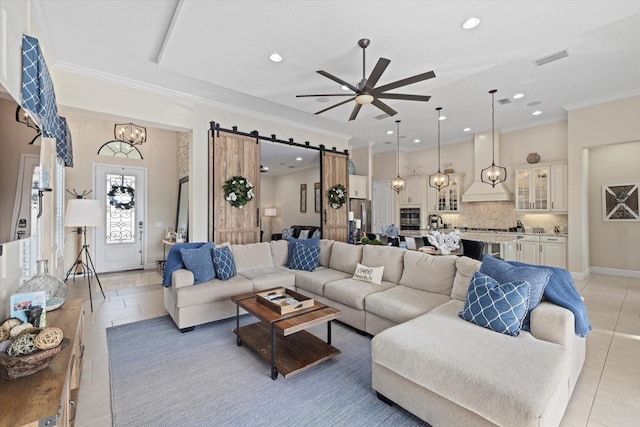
point(532, 189)
point(447, 199)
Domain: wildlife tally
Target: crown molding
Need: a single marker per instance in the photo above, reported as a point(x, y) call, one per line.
point(608, 98)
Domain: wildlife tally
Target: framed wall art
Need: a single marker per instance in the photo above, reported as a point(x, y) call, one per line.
point(317, 196)
point(620, 202)
point(303, 197)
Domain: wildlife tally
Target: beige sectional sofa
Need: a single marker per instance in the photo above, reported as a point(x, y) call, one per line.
point(425, 358)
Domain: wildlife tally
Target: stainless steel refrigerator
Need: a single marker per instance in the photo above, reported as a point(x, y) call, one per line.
point(362, 210)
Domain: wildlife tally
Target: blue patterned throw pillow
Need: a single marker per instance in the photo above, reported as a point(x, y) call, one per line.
point(503, 272)
point(199, 262)
point(496, 306)
point(305, 258)
point(293, 242)
point(224, 263)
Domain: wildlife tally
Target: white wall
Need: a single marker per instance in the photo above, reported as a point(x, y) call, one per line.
point(287, 199)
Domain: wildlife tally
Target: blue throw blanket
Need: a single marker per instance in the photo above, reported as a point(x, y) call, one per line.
point(174, 260)
point(561, 290)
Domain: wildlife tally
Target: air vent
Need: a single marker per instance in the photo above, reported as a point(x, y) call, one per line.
point(559, 55)
point(504, 101)
point(382, 116)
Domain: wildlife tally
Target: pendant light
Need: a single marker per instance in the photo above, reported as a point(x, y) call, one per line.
point(397, 183)
point(439, 180)
point(493, 174)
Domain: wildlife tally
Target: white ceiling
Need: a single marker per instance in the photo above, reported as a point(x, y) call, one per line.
point(218, 51)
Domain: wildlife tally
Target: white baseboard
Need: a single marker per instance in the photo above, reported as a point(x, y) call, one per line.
point(615, 272)
point(580, 275)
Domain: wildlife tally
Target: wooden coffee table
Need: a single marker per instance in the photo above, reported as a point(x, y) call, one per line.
point(282, 339)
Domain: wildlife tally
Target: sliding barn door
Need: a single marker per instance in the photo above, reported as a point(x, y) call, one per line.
point(233, 155)
point(334, 171)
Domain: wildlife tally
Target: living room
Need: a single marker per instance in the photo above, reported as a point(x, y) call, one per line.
point(590, 140)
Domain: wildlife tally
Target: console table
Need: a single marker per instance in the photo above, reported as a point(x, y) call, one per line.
point(48, 398)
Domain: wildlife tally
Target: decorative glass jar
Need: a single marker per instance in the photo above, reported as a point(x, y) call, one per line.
point(55, 289)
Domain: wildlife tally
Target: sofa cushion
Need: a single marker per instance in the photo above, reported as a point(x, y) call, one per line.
point(500, 307)
point(254, 255)
point(212, 291)
point(293, 242)
point(224, 263)
point(279, 251)
point(369, 274)
point(344, 257)
point(305, 257)
point(429, 272)
point(513, 378)
point(200, 262)
point(264, 278)
point(389, 256)
point(174, 259)
point(325, 252)
point(402, 303)
point(352, 292)
point(503, 272)
point(315, 281)
point(465, 267)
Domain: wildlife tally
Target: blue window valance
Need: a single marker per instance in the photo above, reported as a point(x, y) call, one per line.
point(39, 99)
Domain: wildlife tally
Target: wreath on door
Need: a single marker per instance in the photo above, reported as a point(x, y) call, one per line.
point(337, 196)
point(122, 197)
point(238, 191)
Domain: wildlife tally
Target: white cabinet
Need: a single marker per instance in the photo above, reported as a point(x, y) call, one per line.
point(414, 192)
point(527, 250)
point(553, 251)
point(447, 199)
point(559, 186)
point(542, 188)
point(357, 187)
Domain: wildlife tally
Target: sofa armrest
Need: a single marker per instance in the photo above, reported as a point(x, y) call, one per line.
point(550, 322)
point(181, 278)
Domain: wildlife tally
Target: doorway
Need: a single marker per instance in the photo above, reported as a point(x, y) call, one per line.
point(22, 220)
point(120, 244)
point(382, 205)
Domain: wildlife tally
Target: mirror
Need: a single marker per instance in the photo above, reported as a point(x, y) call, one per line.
point(182, 216)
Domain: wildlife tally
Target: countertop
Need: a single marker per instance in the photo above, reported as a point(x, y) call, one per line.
point(482, 236)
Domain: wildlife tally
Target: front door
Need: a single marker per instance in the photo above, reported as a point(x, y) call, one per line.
point(120, 244)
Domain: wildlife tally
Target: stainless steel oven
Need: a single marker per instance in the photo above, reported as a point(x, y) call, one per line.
point(409, 218)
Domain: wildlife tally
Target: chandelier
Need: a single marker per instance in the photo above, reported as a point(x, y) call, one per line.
point(439, 180)
point(493, 174)
point(130, 133)
point(397, 183)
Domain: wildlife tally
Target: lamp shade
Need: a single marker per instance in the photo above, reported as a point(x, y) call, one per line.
point(84, 213)
point(270, 212)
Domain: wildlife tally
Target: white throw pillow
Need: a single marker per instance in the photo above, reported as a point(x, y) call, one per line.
point(369, 274)
point(304, 234)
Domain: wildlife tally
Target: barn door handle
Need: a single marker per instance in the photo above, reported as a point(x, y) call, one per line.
point(325, 217)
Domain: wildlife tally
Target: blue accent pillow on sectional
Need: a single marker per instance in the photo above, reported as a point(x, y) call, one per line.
point(224, 263)
point(503, 272)
point(199, 262)
point(313, 242)
point(496, 306)
point(305, 258)
point(174, 259)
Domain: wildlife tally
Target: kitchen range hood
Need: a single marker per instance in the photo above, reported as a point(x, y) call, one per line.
point(479, 191)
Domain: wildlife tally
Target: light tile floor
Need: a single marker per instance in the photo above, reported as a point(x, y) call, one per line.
point(607, 393)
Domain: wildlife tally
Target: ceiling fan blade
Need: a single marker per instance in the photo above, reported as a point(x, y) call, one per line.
point(338, 80)
point(336, 105)
point(407, 81)
point(326, 94)
point(375, 75)
point(355, 111)
point(402, 96)
point(384, 107)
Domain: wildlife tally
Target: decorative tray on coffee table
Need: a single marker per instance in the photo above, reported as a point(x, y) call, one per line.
point(283, 300)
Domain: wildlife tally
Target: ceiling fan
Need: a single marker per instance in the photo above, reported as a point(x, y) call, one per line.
point(366, 91)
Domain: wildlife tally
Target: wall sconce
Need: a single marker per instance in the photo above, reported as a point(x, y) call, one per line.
point(130, 133)
point(23, 116)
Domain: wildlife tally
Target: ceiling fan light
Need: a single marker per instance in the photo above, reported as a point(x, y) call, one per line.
point(398, 184)
point(364, 99)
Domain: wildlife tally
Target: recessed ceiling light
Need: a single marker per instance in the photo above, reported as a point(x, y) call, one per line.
point(518, 95)
point(470, 23)
point(466, 129)
point(298, 158)
point(344, 87)
point(389, 132)
point(536, 113)
point(416, 140)
point(442, 118)
point(275, 57)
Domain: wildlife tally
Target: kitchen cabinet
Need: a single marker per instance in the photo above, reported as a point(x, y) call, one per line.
point(414, 192)
point(357, 187)
point(447, 199)
point(528, 249)
point(553, 251)
point(541, 188)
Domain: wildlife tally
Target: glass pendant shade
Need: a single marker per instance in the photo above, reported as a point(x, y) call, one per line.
point(493, 174)
point(398, 184)
point(439, 180)
point(55, 289)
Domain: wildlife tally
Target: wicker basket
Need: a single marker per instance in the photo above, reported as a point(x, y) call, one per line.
point(12, 367)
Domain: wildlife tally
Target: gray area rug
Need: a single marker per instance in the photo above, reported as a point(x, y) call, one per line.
point(161, 377)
